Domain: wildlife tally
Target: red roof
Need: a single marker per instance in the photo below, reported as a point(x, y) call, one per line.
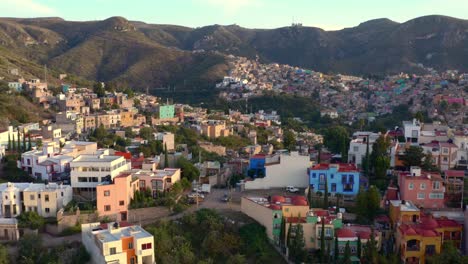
point(296, 220)
point(278, 199)
point(454, 173)
point(345, 232)
point(448, 223)
point(274, 207)
point(392, 194)
point(126, 155)
point(342, 167)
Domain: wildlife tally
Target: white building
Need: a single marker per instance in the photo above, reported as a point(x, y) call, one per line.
point(358, 146)
point(460, 139)
point(412, 131)
point(167, 139)
point(87, 171)
point(283, 170)
point(113, 243)
point(45, 199)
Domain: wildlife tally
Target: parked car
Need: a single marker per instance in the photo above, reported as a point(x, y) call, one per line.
point(193, 200)
point(292, 189)
point(195, 194)
point(226, 198)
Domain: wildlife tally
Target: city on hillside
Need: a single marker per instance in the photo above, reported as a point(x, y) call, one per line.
point(128, 142)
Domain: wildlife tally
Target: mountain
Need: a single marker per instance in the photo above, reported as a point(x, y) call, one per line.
point(149, 55)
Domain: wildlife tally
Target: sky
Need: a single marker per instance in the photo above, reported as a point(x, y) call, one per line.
point(326, 14)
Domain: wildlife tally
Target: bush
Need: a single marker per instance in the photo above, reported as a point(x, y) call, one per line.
point(71, 230)
point(30, 220)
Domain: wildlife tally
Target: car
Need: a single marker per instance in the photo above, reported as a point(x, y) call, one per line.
point(193, 200)
point(195, 194)
point(292, 189)
point(226, 198)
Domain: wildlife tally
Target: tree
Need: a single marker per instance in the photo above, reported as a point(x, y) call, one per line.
point(189, 171)
point(419, 116)
point(347, 254)
point(443, 105)
point(30, 249)
point(366, 168)
point(322, 242)
point(413, 156)
point(9, 142)
point(309, 197)
point(18, 146)
point(166, 157)
point(283, 232)
point(336, 139)
point(29, 142)
point(379, 158)
point(336, 251)
point(289, 140)
point(146, 133)
point(359, 248)
point(4, 258)
point(368, 204)
point(296, 248)
point(31, 220)
point(99, 90)
point(427, 164)
point(325, 196)
point(370, 250)
point(13, 144)
point(449, 254)
point(24, 142)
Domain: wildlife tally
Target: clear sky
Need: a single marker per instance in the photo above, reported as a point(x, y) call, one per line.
point(327, 14)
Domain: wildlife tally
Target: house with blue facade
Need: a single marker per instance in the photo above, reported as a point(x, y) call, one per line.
point(341, 178)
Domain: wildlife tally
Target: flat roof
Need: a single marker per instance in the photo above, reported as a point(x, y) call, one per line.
point(408, 206)
point(97, 158)
point(106, 235)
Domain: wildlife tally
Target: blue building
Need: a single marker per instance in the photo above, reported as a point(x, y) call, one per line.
point(257, 166)
point(340, 178)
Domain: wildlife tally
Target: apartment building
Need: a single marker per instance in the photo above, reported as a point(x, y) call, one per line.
point(45, 199)
point(113, 198)
point(358, 146)
point(444, 154)
point(270, 212)
point(340, 178)
point(215, 129)
point(424, 189)
point(88, 170)
point(118, 243)
point(167, 139)
point(157, 180)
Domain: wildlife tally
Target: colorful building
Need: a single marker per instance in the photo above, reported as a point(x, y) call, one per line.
point(294, 210)
point(118, 243)
point(424, 189)
point(352, 234)
point(165, 111)
point(340, 178)
point(113, 198)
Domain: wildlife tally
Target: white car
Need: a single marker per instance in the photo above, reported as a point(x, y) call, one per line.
point(292, 189)
point(193, 195)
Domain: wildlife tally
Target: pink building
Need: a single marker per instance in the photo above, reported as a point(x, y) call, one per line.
point(157, 180)
point(114, 198)
point(424, 189)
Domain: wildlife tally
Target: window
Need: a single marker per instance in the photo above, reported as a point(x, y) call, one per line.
point(121, 203)
point(61, 193)
point(332, 176)
point(46, 197)
point(47, 210)
point(314, 175)
point(422, 186)
point(322, 178)
point(107, 208)
point(436, 196)
point(328, 232)
point(436, 185)
point(445, 159)
point(112, 251)
point(82, 179)
point(333, 187)
point(106, 193)
point(130, 245)
point(39, 196)
point(38, 175)
point(341, 249)
point(353, 250)
point(344, 178)
point(421, 195)
point(142, 184)
point(445, 150)
point(355, 149)
point(6, 197)
point(93, 179)
point(32, 197)
point(146, 246)
point(410, 186)
point(351, 178)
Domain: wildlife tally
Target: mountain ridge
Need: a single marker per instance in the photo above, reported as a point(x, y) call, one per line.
point(155, 55)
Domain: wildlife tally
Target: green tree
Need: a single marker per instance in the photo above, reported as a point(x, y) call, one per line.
point(166, 157)
point(29, 142)
point(289, 140)
point(448, 254)
point(368, 204)
point(288, 235)
point(99, 90)
point(336, 139)
point(13, 144)
point(325, 196)
point(427, 164)
point(413, 156)
point(419, 116)
point(189, 171)
point(9, 142)
point(31, 220)
point(236, 259)
point(4, 258)
point(18, 146)
point(146, 133)
point(359, 248)
point(336, 251)
point(30, 249)
point(283, 232)
point(443, 105)
point(296, 248)
point(309, 197)
point(370, 250)
point(322, 242)
point(24, 142)
point(347, 254)
point(367, 164)
point(129, 92)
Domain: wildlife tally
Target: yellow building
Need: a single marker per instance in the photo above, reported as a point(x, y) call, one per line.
point(118, 243)
point(215, 129)
point(403, 212)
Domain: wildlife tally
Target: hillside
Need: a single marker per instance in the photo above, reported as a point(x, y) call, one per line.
point(147, 55)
